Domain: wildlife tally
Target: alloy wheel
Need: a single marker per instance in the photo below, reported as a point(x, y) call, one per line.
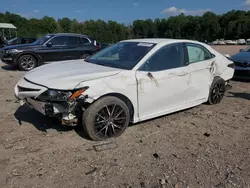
point(110, 121)
point(218, 92)
point(28, 63)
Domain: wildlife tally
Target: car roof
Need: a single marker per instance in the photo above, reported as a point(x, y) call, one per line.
point(160, 40)
point(67, 34)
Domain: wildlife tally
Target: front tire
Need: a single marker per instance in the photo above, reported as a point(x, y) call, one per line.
point(26, 62)
point(106, 118)
point(217, 91)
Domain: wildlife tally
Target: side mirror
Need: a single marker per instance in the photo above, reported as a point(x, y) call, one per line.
point(240, 50)
point(49, 44)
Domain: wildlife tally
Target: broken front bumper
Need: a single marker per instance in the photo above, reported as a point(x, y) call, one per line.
point(26, 92)
point(45, 108)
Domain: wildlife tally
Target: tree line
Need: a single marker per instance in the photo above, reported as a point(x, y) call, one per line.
point(232, 25)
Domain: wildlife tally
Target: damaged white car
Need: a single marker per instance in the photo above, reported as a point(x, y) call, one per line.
point(131, 81)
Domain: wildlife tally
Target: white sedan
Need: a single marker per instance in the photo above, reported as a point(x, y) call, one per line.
point(131, 81)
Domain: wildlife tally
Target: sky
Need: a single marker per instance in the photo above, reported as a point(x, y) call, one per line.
point(124, 11)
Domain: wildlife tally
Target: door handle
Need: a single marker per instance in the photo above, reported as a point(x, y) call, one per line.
point(182, 73)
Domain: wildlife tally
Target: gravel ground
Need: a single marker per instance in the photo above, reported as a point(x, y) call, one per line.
point(206, 146)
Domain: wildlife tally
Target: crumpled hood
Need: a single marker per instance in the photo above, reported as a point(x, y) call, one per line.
point(66, 75)
point(241, 57)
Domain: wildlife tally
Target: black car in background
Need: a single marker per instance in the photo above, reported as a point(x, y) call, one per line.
point(51, 47)
point(3, 42)
point(21, 40)
point(103, 45)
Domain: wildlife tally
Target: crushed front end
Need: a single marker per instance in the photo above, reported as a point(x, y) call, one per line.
point(63, 104)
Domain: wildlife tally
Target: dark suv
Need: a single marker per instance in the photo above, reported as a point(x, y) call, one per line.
point(51, 47)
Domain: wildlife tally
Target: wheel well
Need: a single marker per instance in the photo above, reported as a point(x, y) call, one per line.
point(124, 99)
point(218, 77)
point(36, 58)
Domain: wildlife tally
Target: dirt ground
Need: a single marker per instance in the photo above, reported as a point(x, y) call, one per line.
point(206, 146)
point(229, 49)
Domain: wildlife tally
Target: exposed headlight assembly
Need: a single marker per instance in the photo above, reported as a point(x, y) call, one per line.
point(12, 51)
point(57, 95)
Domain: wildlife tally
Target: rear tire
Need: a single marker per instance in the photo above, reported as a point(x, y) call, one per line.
point(217, 91)
point(26, 62)
point(85, 56)
point(106, 118)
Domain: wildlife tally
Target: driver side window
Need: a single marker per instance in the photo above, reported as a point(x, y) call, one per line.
point(168, 57)
point(60, 40)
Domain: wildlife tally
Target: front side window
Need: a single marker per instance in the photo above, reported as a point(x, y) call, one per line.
point(168, 57)
point(42, 40)
point(61, 40)
point(197, 53)
point(123, 55)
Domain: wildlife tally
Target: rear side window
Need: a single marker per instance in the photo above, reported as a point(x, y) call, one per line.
point(168, 57)
point(85, 40)
point(197, 53)
point(74, 40)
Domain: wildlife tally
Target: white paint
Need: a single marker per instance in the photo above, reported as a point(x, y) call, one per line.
point(168, 91)
point(67, 74)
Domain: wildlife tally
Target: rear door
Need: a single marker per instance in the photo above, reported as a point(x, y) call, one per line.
point(73, 47)
point(202, 68)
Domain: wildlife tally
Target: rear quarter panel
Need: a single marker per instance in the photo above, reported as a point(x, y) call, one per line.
point(221, 62)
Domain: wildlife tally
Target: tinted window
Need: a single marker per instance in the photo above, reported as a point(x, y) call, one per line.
point(84, 40)
point(197, 53)
point(62, 40)
point(74, 40)
point(168, 57)
point(43, 39)
point(23, 41)
point(124, 55)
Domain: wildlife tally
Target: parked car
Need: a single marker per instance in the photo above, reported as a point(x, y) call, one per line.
point(103, 45)
point(242, 63)
point(3, 43)
point(131, 81)
point(51, 47)
point(21, 40)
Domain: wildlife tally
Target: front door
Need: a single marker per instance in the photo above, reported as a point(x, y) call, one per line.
point(53, 49)
point(163, 82)
point(202, 67)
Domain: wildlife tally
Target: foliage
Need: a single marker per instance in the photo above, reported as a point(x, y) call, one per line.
point(234, 24)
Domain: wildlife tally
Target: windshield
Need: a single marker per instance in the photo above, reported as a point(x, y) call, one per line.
point(123, 55)
point(12, 40)
point(42, 40)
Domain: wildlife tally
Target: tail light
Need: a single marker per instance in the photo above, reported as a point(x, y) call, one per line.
point(97, 45)
point(231, 65)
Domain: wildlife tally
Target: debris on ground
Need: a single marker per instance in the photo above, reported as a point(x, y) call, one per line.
point(156, 155)
point(206, 134)
point(91, 171)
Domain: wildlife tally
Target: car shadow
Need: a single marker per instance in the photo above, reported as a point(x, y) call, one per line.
point(9, 68)
point(239, 95)
point(44, 123)
point(237, 79)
